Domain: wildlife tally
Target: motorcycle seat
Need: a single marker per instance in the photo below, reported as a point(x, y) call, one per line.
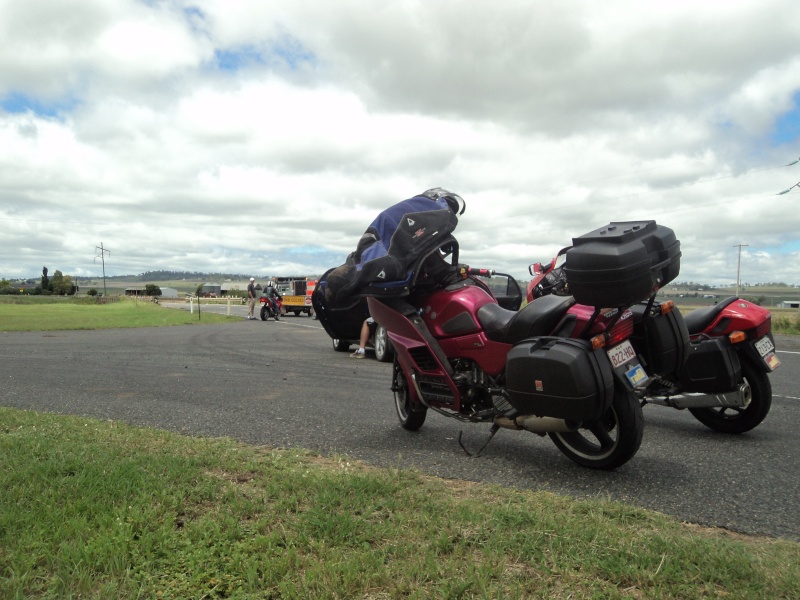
point(535, 318)
point(700, 318)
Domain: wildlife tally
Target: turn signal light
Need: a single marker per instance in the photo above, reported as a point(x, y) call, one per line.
point(737, 336)
point(598, 341)
point(667, 307)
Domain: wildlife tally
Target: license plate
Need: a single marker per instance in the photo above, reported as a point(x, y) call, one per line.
point(764, 346)
point(621, 353)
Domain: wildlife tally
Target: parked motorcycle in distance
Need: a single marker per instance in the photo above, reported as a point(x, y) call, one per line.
point(268, 310)
point(715, 361)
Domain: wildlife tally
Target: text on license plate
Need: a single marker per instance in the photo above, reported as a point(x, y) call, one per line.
point(764, 346)
point(621, 353)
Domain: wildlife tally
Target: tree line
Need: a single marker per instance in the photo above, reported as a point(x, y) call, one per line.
point(58, 284)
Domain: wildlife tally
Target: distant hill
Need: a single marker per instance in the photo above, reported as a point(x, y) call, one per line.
point(153, 276)
point(183, 281)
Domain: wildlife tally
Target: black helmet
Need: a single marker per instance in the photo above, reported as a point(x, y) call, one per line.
point(454, 201)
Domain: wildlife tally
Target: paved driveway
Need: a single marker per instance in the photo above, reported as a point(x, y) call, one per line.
point(280, 384)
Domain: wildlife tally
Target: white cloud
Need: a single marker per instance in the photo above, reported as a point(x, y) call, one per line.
point(236, 136)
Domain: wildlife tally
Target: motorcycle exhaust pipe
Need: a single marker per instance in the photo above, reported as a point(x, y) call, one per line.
point(538, 425)
point(738, 398)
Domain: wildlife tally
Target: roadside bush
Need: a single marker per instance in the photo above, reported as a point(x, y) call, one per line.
point(787, 325)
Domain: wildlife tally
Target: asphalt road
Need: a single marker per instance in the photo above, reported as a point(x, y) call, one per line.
point(280, 384)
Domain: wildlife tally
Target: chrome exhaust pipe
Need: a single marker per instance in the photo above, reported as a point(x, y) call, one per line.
point(538, 425)
point(738, 398)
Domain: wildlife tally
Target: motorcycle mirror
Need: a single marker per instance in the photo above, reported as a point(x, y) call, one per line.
point(535, 269)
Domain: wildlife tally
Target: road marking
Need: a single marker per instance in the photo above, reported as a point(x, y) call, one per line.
point(301, 325)
point(786, 352)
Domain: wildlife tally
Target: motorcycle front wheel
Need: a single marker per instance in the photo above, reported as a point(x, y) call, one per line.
point(410, 414)
point(610, 442)
point(729, 419)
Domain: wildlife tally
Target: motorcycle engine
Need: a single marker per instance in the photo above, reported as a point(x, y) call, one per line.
point(481, 394)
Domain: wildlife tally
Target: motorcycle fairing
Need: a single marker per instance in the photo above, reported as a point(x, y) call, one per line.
point(419, 354)
point(699, 319)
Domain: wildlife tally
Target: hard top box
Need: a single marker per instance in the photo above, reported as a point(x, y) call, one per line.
point(622, 263)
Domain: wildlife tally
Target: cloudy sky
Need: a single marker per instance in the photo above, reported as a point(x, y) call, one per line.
point(262, 137)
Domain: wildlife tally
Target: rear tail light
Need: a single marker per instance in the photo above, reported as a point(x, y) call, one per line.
point(618, 333)
point(764, 328)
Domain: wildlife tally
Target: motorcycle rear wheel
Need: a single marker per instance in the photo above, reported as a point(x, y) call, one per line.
point(610, 442)
point(728, 419)
point(411, 415)
point(264, 315)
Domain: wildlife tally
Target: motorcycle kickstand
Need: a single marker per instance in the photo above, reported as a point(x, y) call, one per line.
point(495, 429)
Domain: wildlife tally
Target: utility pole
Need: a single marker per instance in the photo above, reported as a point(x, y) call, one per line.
point(739, 267)
point(103, 252)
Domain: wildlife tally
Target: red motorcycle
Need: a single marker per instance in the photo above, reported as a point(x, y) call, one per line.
point(715, 361)
point(271, 307)
point(554, 367)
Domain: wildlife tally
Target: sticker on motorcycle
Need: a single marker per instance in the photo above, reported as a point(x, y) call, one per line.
point(773, 362)
point(636, 375)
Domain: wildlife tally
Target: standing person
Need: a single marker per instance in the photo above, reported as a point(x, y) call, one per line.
point(367, 327)
point(251, 298)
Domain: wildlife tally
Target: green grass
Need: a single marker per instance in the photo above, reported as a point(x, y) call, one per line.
point(786, 321)
point(52, 314)
point(92, 509)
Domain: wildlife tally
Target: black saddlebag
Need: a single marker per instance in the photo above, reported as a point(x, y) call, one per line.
point(711, 367)
point(559, 377)
point(661, 340)
point(622, 263)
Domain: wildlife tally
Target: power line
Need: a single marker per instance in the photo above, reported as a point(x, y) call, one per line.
point(739, 267)
point(787, 190)
point(102, 257)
